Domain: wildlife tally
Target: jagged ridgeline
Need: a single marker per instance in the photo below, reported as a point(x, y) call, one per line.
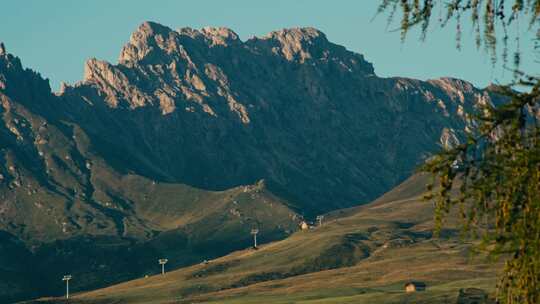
point(191, 140)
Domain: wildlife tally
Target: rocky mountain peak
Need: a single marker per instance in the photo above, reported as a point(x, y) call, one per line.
point(154, 41)
point(453, 84)
point(295, 44)
point(15, 79)
point(308, 44)
point(189, 68)
point(220, 35)
point(297, 35)
point(210, 36)
point(153, 28)
point(149, 37)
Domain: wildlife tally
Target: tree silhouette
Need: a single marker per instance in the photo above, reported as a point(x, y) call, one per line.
point(493, 176)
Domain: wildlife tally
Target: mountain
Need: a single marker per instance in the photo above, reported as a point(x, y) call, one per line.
point(193, 138)
point(312, 119)
point(362, 255)
point(64, 209)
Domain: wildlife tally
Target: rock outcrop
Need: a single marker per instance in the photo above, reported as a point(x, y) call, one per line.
point(204, 108)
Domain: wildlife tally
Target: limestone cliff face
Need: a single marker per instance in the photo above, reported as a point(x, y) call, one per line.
point(204, 108)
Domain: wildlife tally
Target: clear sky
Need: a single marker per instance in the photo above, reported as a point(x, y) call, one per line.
point(56, 37)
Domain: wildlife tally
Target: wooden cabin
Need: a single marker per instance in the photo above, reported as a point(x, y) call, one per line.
point(415, 286)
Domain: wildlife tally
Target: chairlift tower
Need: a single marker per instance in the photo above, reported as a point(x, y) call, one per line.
point(320, 219)
point(162, 262)
point(66, 278)
point(254, 233)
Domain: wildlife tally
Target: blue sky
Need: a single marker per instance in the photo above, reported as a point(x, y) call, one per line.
point(56, 37)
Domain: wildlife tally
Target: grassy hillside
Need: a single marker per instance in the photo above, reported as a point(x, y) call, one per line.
point(64, 209)
point(363, 256)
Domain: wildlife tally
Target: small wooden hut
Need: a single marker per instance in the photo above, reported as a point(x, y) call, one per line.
point(414, 286)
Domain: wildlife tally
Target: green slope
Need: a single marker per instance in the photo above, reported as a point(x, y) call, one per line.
point(363, 257)
point(66, 210)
